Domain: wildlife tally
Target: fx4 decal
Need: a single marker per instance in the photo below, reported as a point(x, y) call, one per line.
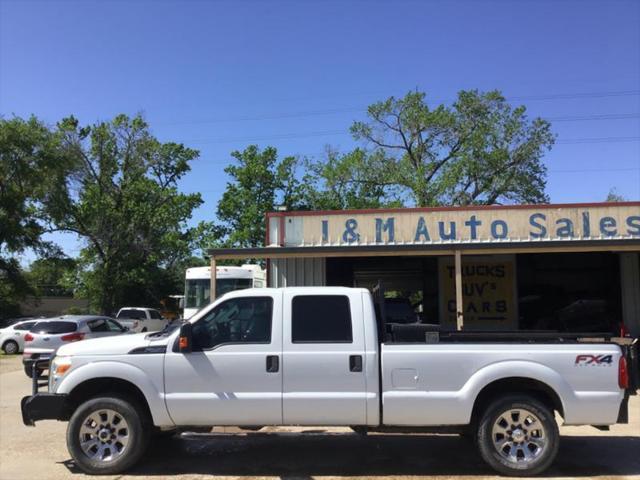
point(595, 360)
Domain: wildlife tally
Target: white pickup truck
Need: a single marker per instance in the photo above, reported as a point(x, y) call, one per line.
point(141, 319)
point(325, 356)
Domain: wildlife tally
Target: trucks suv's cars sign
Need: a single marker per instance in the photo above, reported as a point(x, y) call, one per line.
point(488, 286)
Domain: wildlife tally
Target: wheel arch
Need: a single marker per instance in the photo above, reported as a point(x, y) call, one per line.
point(93, 379)
point(514, 386)
point(96, 387)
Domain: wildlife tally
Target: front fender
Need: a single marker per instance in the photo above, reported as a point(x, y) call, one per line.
point(122, 371)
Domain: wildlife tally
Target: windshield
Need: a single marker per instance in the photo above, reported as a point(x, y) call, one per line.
point(197, 294)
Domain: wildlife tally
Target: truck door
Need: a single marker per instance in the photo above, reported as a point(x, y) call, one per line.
point(323, 359)
point(234, 374)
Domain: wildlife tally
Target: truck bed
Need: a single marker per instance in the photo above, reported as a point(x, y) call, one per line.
point(437, 383)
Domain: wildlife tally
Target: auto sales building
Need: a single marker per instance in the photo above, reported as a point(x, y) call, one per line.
point(570, 267)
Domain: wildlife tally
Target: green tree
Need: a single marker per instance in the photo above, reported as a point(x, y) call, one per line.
point(481, 150)
point(258, 183)
point(52, 275)
point(122, 200)
point(352, 180)
point(614, 196)
point(31, 171)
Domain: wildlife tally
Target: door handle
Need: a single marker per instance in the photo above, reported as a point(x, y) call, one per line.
point(355, 363)
point(273, 363)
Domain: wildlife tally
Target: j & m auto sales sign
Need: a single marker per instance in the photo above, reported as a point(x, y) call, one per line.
point(481, 224)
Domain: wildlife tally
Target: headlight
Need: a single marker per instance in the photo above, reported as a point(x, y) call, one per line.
point(59, 367)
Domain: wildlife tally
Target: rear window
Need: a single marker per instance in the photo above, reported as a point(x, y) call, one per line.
point(54, 327)
point(130, 313)
point(321, 319)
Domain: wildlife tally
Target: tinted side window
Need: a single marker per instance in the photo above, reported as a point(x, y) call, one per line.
point(98, 325)
point(321, 319)
point(54, 327)
point(114, 326)
point(155, 314)
point(24, 326)
point(238, 320)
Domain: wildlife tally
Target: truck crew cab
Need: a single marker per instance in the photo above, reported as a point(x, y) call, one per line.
point(326, 356)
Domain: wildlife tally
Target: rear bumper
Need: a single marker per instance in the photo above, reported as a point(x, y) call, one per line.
point(42, 406)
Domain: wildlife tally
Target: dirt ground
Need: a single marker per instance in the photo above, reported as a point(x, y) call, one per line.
point(40, 452)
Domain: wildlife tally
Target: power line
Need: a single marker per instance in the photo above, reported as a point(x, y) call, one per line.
point(568, 96)
point(572, 141)
point(594, 170)
point(604, 116)
point(320, 133)
point(331, 111)
point(554, 171)
point(310, 113)
point(268, 116)
point(282, 136)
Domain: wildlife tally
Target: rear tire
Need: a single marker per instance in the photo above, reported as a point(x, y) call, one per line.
point(108, 435)
point(10, 347)
point(518, 436)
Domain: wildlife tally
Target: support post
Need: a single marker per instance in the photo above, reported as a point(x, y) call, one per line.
point(459, 300)
point(212, 288)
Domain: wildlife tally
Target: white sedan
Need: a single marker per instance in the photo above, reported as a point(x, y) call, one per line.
point(12, 337)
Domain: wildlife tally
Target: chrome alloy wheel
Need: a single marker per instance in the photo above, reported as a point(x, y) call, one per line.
point(104, 435)
point(518, 436)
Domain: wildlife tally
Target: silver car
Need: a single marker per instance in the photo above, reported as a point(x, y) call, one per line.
point(47, 335)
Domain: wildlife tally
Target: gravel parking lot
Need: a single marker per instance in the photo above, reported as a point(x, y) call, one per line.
point(30, 453)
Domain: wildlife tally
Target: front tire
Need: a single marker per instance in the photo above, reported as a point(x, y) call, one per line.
point(107, 435)
point(10, 347)
point(518, 436)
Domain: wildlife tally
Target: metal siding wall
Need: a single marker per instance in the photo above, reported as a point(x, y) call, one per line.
point(290, 272)
point(320, 277)
point(298, 272)
point(281, 273)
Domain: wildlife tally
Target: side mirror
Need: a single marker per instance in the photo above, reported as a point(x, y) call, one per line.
point(186, 339)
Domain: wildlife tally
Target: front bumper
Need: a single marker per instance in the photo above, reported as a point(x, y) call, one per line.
point(29, 358)
point(43, 406)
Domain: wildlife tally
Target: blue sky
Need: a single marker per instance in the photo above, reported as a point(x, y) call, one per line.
point(221, 75)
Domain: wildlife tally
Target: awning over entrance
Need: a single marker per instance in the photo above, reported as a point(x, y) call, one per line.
point(619, 245)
